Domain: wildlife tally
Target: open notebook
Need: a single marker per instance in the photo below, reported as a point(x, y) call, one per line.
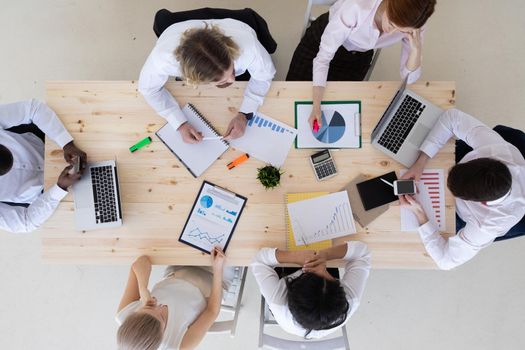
point(195, 157)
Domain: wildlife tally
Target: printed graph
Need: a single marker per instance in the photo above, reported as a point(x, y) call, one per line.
point(321, 218)
point(331, 131)
point(261, 122)
point(205, 236)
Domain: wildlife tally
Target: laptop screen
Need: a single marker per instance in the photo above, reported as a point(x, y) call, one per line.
point(397, 96)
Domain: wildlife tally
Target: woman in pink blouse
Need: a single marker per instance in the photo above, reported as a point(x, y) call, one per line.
point(340, 43)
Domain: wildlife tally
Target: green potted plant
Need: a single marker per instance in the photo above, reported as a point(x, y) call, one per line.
point(269, 176)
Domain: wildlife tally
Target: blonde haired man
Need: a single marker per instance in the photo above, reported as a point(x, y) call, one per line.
point(203, 52)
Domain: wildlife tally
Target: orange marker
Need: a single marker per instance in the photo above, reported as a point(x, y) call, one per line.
point(238, 161)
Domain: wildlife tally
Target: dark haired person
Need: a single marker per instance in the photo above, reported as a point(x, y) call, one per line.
point(22, 166)
point(206, 52)
point(488, 183)
point(340, 43)
point(310, 302)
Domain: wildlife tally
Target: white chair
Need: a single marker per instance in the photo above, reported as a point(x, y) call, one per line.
point(308, 19)
point(276, 343)
point(231, 304)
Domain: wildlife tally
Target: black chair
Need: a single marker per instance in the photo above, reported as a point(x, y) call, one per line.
point(164, 19)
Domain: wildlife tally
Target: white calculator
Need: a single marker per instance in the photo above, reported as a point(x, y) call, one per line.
point(323, 164)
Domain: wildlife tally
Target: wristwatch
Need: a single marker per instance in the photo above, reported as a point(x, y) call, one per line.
point(248, 116)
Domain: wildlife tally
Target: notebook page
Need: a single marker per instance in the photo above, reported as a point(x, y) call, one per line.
point(196, 157)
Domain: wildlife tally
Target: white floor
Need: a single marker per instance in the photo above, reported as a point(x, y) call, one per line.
point(477, 43)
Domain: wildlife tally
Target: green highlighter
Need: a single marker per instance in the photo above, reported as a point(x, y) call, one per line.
point(140, 144)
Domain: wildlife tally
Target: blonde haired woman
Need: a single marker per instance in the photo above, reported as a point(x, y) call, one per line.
point(206, 52)
point(178, 311)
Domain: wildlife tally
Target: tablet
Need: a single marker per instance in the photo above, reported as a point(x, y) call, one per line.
point(213, 218)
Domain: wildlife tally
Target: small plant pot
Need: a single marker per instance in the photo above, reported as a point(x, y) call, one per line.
point(269, 176)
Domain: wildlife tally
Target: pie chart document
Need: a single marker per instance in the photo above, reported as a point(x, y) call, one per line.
point(341, 125)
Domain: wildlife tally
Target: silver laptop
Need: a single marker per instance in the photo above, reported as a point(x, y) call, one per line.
point(405, 125)
point(97, 197)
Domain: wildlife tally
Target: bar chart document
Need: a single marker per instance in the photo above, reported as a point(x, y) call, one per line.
point(266, 139)
point(431, 196)
point(321, 218)
point(213, 218)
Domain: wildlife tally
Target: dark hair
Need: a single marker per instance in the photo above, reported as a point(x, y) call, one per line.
point(482, 179)
point(316, 303)
point(6, 160)
point(410, 13)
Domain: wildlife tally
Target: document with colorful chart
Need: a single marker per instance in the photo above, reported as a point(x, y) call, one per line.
point(213, 218)
point(340, 127)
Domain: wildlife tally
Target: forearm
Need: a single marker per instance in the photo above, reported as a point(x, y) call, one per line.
point(332, 253)
point(318, 93)
point(290, 257)
point(413, 60)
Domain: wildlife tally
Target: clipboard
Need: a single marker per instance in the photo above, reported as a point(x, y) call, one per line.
point(213, 218)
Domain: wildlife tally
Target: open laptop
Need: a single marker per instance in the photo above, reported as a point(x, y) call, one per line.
point(405, 125)
point(97, 197)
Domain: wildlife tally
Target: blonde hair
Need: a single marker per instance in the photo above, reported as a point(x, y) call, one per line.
point(205, 54)
point(140, 331)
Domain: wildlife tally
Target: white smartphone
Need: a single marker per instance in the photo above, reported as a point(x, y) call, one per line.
point(76, 166)
point(404, 187)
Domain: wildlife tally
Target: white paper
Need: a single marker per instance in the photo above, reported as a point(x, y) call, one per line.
point(346, 134)
point(266, 139)
point(321, 218)
point(432, 198)
point(213, 218)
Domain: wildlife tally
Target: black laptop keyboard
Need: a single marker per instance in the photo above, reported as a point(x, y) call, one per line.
point(403, 121)
point(104, 194)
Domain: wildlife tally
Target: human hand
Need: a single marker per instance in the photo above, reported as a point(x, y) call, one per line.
point(218, 260)
point(414, 40)
point(413, 205)
point(65, 179)
point(146, 299)
point(71, 152)
point(236, 127)
point(416, 170)
point(315, 115)
point(189, 133)
point(316, 264)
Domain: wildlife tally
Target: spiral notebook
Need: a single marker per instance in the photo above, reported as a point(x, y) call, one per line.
point(195, 157)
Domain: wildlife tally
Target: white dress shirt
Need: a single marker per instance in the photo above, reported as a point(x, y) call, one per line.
point(484, 223)
point(274, 290)
point(25, 181)
point(351, 25)
point(162, 63)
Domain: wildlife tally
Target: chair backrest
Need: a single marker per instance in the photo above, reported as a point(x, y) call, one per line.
point(273, 342)
point(308, 13)
point(164, 18)
point(231, 304)
point(513, 136)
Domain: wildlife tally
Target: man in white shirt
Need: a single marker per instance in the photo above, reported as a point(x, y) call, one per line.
point(201, 52)
point(488, 183)
point(22, 166)
point(311, 303)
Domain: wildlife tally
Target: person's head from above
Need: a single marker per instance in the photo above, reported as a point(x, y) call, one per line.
point(405, 15)
point(206, 56)
point(480, 180)
point(316, 302)
point(143, 329)
point(6, 160)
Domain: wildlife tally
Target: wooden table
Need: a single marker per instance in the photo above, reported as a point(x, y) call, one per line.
point(107, 117)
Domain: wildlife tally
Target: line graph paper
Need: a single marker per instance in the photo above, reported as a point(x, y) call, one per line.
point(321, 218)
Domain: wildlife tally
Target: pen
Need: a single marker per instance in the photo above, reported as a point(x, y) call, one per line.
point(140, 144)
point(316, 126)
point(238, 161)
point(212, 138)
point(388, 183)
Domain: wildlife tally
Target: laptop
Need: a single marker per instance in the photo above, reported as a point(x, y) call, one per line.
point(405, 125)
point(97, 197)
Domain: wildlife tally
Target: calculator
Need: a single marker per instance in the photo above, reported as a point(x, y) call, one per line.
point(323, 164)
